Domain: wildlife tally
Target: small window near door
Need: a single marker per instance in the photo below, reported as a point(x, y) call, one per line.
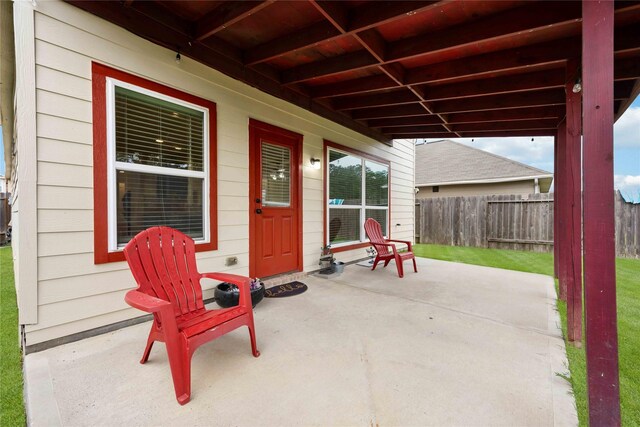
point(435, 189)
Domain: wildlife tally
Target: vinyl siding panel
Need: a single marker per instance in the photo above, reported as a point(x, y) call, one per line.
point(484, 189)
point(74, 293)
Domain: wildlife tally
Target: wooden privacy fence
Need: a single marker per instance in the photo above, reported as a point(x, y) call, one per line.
point(510, 222)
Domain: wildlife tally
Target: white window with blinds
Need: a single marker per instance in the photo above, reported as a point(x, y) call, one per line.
point(157, 162)
point(358, 189)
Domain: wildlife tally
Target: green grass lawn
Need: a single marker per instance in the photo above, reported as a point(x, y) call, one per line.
point(628, 295)
point(11, 403)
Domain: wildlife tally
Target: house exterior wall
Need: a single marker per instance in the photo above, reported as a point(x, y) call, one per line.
point(73, 293)
point(484, 189)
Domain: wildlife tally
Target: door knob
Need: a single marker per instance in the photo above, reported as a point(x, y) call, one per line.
point(258, 211)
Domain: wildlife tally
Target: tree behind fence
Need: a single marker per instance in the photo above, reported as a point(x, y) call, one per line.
point(510, 222)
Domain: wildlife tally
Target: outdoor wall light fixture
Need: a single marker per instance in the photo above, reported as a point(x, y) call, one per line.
point(315, 163)
point(178, 58)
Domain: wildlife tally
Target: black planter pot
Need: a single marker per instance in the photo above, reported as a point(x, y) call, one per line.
point(227, 295)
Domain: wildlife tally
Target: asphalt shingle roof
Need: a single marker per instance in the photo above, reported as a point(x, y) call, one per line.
point(448, 161)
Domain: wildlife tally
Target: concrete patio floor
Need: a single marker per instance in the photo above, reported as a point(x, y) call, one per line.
point(454, 344)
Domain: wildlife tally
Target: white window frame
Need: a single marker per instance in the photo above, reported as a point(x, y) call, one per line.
point(363, 205)
point(114, 166)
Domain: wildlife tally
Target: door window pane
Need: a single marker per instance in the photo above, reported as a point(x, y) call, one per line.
point(345, 179)
point(377, 184)
point(344, 225)
point(276, 175)
point(146, 200)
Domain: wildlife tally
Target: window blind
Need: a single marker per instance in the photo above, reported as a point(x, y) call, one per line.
point(146, 200)
point(276, 175)
point(155, 132)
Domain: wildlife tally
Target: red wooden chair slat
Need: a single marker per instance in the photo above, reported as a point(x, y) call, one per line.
point(386, 251)
point(163, 263)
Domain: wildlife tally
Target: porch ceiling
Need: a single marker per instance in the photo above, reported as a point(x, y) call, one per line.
point(402, 69)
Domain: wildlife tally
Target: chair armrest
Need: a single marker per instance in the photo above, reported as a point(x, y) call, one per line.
point(406, 242)
point(144, 302)
point(242, 282)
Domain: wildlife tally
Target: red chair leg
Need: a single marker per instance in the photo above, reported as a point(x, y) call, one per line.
point(179, 361)
point(415, 267)
point(254, 346)
point(375, 263)
point(400, 267)
point(147, 350)
point(387, 261)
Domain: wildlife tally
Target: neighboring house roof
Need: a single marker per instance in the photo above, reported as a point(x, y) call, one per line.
point(447, 162)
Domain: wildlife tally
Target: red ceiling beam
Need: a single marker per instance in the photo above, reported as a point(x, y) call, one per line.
point(442, 135)
point(627, 69)
point(403, 96)
point(622, 89)
point(391, 111)
point(530, 18)
point(227, 14)
point(508, 133)
point(508, 125)
point(414, 129)
point(603, 379)
point(497, 85)
point(533, 113)
point(360, 19)
point(405, 121)
point(495, 102)
point(511, 60)
point(535, 17)
point(289, 43)
point(335, 65)
point(364, 84)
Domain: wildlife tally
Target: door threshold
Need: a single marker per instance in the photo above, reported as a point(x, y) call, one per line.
point(282, 278)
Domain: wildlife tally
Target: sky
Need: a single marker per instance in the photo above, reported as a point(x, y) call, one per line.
point(539, 152)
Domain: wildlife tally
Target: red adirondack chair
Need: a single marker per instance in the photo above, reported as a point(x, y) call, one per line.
point(163, 262)
point(382, 245)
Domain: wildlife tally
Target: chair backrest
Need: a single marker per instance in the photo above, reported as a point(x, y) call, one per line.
point(374, 233)
point(163, 262)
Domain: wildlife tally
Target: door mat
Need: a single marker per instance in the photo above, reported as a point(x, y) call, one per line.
point(287, 290)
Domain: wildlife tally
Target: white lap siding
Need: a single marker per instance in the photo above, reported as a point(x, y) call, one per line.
point(74, 294)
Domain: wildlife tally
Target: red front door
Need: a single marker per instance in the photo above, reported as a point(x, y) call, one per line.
point(275, 203)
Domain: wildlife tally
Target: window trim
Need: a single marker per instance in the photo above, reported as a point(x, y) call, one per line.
point(104, 165)
point(365, 156)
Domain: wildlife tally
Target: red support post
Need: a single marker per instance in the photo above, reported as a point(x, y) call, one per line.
point(573, 205)
point(556, 216)
point(599, 227)
point(562, 197)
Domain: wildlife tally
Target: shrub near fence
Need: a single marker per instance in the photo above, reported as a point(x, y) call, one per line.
point(510, 222)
